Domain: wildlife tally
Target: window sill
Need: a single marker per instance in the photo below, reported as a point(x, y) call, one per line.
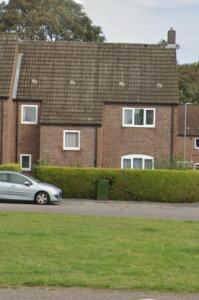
point(28, 123)
point(138, 126)
point(71, 149)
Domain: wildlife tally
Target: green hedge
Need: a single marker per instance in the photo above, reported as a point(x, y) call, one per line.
point(139, 185)
point(10, 167)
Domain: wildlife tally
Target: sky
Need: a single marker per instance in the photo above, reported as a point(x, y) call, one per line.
point(147, 21)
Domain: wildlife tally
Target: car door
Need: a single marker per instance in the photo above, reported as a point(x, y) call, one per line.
point(20, 189)
point(5, 187)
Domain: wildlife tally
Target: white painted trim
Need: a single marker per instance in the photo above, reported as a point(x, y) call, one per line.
point(133, 117)
point(196, 164)
point(22, 114)
point(30, 162)
point(71, 148)
point(141, 156)
point(17, 74)
point(195, 143)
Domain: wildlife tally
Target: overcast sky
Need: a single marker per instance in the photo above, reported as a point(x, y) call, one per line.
point(147, 21)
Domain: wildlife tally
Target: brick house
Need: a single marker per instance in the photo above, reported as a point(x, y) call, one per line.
point(187, 146)
point(88, 104)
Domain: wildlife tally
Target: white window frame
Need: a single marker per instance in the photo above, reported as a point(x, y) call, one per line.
point(30, 162)
point(196, 164)
point(140, 156)
point(195, 143)
point(22, 114)
point(71, 148)
point(133, 117)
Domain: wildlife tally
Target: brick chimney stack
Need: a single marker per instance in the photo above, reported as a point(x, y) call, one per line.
point(171, 37)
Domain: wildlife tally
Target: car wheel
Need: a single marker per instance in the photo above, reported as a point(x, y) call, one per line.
point(42, 198)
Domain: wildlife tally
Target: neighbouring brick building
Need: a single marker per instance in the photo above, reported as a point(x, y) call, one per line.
point(187, 146)
point(89, 104)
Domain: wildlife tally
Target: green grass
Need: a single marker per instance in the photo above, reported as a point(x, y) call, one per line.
point(104, 252)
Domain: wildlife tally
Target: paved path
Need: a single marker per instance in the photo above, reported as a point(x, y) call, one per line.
point(86, 294)
point(113, 208)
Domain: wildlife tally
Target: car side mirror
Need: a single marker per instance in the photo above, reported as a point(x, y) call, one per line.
point(27, 183)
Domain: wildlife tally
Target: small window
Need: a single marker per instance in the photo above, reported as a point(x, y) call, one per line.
point(197, 143)
point(136, 161)
point(29, 114)
point(127, 163)
point(138, 117)
point(196, 166)
point(25, 162)
point(71, 140)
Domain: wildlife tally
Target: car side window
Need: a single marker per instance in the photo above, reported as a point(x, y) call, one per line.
point(3, 177)
point(18, 179)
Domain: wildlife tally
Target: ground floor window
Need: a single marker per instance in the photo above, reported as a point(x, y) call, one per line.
point(196, 166)
point(26, 162)
point(137, 161)
point(71, 140)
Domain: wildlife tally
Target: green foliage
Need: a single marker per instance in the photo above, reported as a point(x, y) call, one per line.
point(75, 182)
point(48, 20)
point(188, 77)
point(157, 186)
point(139, 185)
point(10, 167)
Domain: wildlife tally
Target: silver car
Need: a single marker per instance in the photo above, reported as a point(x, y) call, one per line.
point(17, 186)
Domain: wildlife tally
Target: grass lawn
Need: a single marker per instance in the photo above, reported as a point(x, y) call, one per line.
point(105, 252)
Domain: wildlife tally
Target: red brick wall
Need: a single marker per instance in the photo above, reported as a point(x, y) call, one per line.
point(118, 141)
point(9, 132)
point(28, 135)
point(1, 109)
point(51, 146)
point(192, 154)
point(9, 121)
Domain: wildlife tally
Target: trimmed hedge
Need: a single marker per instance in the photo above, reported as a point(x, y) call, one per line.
point(10, 167)
point(139, 185)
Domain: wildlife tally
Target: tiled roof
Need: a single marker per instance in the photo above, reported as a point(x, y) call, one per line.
point(192, 120)
point(7, 52)
point(74, 79)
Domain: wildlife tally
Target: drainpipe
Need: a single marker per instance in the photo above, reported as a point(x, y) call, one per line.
point(1, 130)
point(16, 138)
point(96, 142)
point(185, 130)
point(172, 133)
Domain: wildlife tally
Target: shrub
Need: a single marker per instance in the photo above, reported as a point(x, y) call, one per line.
point(139, 185)
point(75, 182)
point(10, 167)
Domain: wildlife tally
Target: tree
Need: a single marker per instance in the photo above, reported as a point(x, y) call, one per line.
point(48, 20)
point(188, 78)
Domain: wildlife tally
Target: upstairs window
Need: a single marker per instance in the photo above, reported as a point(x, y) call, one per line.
point(197, 143)
point(29, 114)
point(137, 161)
point(138, 117)
point(71, 140)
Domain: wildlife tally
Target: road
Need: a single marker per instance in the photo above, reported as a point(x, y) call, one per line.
point(86, 294)
point(179, 211)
